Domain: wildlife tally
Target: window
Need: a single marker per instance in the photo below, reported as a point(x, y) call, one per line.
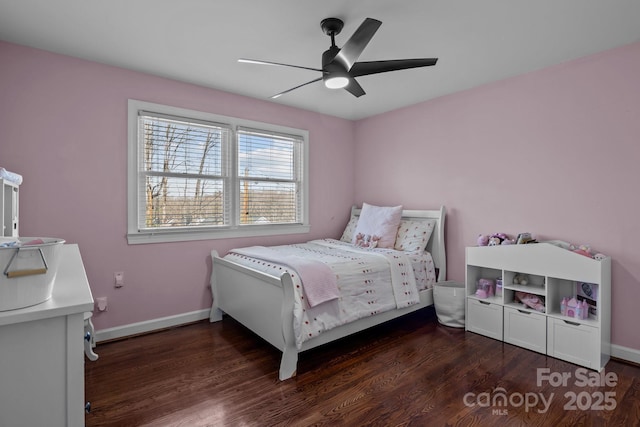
point(194, 175)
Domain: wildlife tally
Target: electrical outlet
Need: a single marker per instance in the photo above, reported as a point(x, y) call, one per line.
point(118, 277)
point(101, 303)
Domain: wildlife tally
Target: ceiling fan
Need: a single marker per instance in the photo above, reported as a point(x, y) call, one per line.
point(339, 66)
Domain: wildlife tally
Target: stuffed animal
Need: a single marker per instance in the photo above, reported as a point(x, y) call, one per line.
point(483, 240)
point(494, 240)
point(373, 242)
point(583, 250)
point(499, 239)
point(367, 241)
point(520, 279)
point(531, 301)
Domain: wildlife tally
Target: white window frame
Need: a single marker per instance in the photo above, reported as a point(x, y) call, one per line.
point(138, 236)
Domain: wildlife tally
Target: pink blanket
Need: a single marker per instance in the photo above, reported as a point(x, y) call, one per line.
point(318, 280)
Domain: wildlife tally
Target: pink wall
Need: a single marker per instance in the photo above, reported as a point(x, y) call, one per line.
point(554, 152)
point(63, 126)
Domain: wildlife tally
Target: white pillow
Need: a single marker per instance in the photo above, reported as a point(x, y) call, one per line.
point(347, 234)
point(413, 235)
point(379, 221)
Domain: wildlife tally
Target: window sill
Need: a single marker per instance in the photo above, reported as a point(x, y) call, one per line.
point(145, 237)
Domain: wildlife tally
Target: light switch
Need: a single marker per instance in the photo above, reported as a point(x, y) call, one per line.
point(119, 278)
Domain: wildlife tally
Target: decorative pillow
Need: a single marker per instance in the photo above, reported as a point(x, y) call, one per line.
point(378, 221)
point(413, 235)
point(347, 234)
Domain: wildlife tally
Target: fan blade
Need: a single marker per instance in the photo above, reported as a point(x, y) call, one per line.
point(277, 95)
point(352, 49)
point(375, 67)
point(256, 61)
point(354, 88)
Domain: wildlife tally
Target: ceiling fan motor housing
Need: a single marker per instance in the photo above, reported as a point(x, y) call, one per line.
point(331, 26)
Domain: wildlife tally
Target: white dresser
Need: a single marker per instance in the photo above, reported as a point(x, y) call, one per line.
point(42, 353)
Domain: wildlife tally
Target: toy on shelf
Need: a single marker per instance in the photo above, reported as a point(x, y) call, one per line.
point(494, 239)
point(582, 249)
point(483, 240)
point(532, 301)
point(589, 290)
point(574, 308)
point(588, 293)
point(521, 279)
point(485, 288)
point(525, 238)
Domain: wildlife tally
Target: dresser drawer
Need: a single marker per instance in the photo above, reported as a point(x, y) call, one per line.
point(574, 342)
point(484, 318)
point(526, 329)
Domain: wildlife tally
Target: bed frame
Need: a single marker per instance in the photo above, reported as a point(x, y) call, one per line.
point(264, 303)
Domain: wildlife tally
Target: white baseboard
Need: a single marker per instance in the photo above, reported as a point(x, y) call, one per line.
point(625, 353)
point(151, 325)
point(617, 351)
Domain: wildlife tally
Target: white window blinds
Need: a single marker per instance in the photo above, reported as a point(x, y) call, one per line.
point(269, 177)
point(183, 172)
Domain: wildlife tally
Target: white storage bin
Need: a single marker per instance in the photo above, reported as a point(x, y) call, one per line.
point(28, 272)
point(485, 318)
point(448, 298)
point(525, 328)
point(576, 343)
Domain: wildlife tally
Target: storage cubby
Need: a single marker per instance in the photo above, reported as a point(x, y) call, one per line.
point(551, 273)
point(558, 289)
point(510, 300)
point(534, 283)
point(476, 274)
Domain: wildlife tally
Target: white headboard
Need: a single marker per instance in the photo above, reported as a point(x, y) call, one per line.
point(435, 246)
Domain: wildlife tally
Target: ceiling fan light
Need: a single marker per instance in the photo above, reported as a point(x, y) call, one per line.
point(336, 82)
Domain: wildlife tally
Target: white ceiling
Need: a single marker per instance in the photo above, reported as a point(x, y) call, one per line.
point(199, 41)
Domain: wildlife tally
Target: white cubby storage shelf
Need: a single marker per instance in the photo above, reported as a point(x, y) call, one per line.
point(552, 274)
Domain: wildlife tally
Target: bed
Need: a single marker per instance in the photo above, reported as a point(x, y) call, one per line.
point(265, 300)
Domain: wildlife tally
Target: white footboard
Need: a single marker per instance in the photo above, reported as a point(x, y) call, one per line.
point(261, 302)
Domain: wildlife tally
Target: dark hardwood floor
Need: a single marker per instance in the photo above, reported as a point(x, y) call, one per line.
point(409, 372)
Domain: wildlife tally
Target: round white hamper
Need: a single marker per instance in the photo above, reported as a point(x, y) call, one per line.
point(448, 298)
point(29, 270)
